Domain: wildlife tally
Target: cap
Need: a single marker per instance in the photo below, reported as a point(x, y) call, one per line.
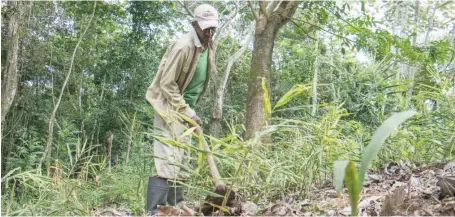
point(206, 16)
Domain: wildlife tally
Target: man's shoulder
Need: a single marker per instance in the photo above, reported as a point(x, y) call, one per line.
point(185, 42)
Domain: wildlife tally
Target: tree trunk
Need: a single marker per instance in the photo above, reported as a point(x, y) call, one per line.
point(416, 73)
point(267, 25)
point(315, 81)
point(217, 111)
point(48, 149)
point(108, 148)
point(130, 139)
point(10, 75)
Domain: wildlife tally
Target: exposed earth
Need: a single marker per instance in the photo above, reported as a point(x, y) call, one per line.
point(393, 191)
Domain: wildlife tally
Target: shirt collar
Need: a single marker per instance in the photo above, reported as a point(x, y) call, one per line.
point(197, 42)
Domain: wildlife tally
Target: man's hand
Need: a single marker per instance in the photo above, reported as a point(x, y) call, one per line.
point(220, 187)
point(197, 119)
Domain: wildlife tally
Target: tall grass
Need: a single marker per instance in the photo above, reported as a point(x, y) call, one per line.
point(298, 156)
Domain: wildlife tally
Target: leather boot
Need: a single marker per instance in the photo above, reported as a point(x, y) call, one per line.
point(157, 190)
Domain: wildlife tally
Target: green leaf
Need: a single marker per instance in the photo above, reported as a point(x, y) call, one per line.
point(351, 178)
point(378, 139)
point(339, 168)
point(188, 132)
point(267, 107)
point(290, 95)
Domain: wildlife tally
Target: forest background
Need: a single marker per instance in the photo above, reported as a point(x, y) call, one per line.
point(292, 95)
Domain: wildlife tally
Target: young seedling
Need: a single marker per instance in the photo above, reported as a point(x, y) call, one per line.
point(346, 170)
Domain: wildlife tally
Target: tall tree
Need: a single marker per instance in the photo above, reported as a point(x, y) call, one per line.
point(271, 17)
point(10, 75)
point(47, 152)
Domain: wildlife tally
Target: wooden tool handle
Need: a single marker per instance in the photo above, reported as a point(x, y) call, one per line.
point(213, 169)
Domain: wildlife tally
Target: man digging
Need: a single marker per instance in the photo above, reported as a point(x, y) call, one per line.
point(180, 82)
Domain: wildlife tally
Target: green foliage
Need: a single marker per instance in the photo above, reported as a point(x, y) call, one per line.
point(119, 57)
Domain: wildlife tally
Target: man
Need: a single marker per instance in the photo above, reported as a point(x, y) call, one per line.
point(180, 82)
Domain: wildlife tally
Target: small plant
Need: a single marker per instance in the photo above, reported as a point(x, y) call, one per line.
point(346, 170)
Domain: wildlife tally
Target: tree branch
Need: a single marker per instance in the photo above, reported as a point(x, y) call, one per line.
point(332, 33)
point(232, 59)
point(339, 17)
point(272, 6)
point(292, 21)
point(289, 8)
point(256, 17)
point(263, 8)
point(228, 20)
point(187, 9)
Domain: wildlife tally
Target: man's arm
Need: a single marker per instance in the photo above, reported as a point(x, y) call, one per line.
point(168, 85)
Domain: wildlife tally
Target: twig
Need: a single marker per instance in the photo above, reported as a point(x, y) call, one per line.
point(292, 21)
point(185, 6)
point(339, 17)
point(332, 33)
point(228, 20)
point(448, 21)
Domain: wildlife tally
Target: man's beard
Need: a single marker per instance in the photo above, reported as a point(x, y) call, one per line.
point(208, 42)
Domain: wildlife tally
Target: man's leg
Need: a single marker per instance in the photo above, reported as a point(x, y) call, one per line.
point(157, 191)
point(175, 194)
point(167, 161)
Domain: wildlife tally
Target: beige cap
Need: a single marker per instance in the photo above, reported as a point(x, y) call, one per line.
point(206, 16)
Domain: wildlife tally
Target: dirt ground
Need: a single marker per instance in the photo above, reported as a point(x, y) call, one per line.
point(393, 191)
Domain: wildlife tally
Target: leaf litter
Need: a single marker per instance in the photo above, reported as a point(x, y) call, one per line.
point(393, 191)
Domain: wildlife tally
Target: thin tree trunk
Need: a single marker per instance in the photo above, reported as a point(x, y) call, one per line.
point(108, 148)
point(47, 152)
point(315, 82)
point(430, 24)
point(416, 21)
point(130, 138)
point(10, 75)
point(268, 22)
point(394, 27)
point(415, 73)
point(217, 111)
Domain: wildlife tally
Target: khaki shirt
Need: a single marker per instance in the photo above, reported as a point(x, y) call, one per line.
point(175, 72)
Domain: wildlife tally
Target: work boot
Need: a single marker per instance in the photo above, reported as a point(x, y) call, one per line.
point(157, 190)
point(175, 194)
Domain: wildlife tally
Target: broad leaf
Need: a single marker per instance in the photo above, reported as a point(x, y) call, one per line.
point(267, 106)
point(188, 132)
point(351, 178)
point(378, 139)
point(339, 168)
point(290, 95)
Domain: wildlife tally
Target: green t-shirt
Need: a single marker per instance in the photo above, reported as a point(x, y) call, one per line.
point(196, 85)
